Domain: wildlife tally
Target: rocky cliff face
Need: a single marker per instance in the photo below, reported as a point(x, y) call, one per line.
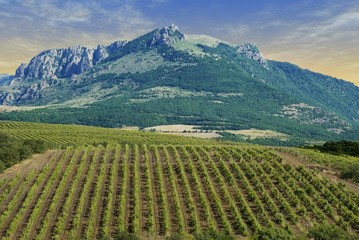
point(25, 93)
point(115, 46)
point(209, 77)
point(251, 51)
point(50, 65)
point(65, 62)
point(167, 36)
point(48, 68)
point(5, 79)
point(61, 63)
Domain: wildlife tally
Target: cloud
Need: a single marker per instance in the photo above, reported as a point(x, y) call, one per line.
point(309, 33)
point(156, 3)
point(329, 32)
point(234, 33)
point(327, 42)
point(160, 1)
point(28, 27)
point(108, 17)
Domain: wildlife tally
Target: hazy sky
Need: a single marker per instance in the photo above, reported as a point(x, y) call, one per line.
point(321, 35)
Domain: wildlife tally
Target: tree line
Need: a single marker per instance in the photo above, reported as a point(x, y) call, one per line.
point(13, 150)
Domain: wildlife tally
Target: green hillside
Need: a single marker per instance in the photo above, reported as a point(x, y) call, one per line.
point(199, 81)
point(63, 135)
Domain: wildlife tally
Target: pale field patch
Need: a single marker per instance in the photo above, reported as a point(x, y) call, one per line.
point(172, 128)
point(256, 133)
point(204, 135)
point(130, 128)
point(4, 108)
point(184, 130)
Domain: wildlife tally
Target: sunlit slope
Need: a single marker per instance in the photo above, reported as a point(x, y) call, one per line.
point(85, 135)
point(153, 189)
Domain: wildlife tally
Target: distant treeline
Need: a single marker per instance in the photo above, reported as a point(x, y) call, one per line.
point(340, 148)
point(344, 148)
point(13, 150)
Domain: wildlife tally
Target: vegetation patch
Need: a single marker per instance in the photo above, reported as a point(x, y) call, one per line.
point(14, 150)
point(146, 185)
point(256, 133)
point(184, 130)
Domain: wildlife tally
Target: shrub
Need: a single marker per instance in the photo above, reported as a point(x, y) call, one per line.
point(272, 234)
point(213, 235)
point(351, 172)
point(126, 236)
point(13, 150)
point(329, 232)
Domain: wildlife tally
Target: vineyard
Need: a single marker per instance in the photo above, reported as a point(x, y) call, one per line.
point(317, 157)
point(89, 192)
point(102, 182)
point(59, 134)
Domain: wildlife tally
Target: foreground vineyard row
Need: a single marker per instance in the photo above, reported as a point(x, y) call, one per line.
point(156, 190)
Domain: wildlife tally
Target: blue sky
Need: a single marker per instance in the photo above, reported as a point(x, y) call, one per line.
point(322, 35)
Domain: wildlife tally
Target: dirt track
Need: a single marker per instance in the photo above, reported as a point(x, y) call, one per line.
point(37, 161)
point(322, 171)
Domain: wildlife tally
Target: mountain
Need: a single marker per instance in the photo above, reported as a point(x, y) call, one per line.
point(63, 63)
point(167, 77)
point(5, 78)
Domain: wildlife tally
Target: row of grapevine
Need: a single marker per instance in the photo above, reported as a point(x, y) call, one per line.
point(86, 135)
point(108, 219)
point(95, 205)
point(163, 208)
point(134, 211)
point(34, 193)
point(148, 198)
point(192, 213)
point(60, 189)
point(178, 218)
point(76, 184)
point(77, 226)
point(123, 197)
point(154, 190)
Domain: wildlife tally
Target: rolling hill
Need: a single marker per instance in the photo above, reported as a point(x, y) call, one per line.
point(152, 186)
point(166, 77)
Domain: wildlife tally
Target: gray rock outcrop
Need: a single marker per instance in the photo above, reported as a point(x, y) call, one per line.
point(115, 46)
point(167, 36)
point(60, 63)
point(5, 79)
point(65, 62)
point(251, 51)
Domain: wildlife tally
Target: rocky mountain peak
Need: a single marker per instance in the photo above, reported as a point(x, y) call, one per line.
point(167, 36)
point(99, 54)
point(3, 76)
point(115, 46)
point(58, 63)
point(251, 51)
point(5, 79)
point(65, 62)
point(20, 71)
